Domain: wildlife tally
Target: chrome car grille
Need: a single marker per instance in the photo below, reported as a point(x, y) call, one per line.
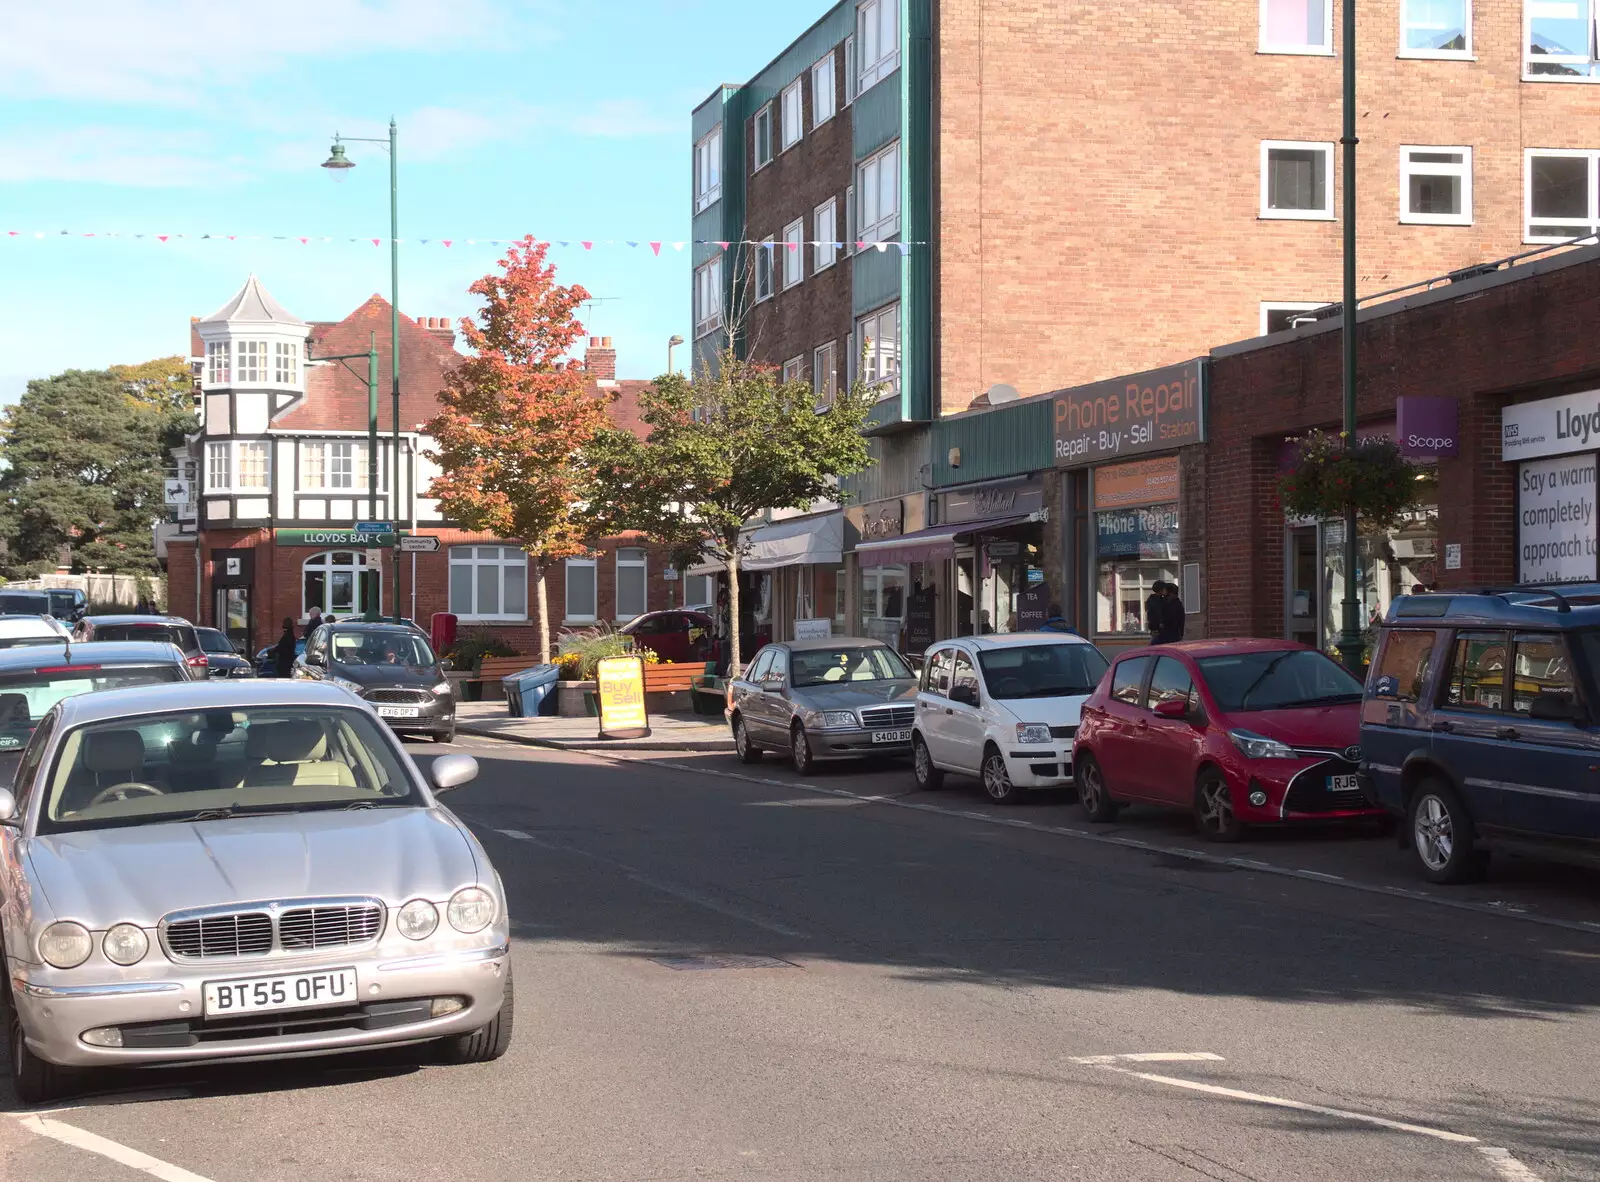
point(896, 716)
point(298, 925)
point(399, 697)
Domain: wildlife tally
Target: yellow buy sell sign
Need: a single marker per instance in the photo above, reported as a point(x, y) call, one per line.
point(620, 689)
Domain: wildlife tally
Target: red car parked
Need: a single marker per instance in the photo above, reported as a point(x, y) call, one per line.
point(674, 636)
point(1243, 732)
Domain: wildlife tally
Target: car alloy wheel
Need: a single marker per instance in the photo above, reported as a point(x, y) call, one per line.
point(996, 780)
point(1214, 809)
point(800, 751)
point(1092, 792)
point(929, 777)
point(1442, 834)
point(748, 751)
point(1433, 833)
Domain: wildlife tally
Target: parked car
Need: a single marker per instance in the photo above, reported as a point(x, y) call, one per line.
point(391, 666)
point(20, 601)
point(19, 630)
point(223, 659)
point(1002, 708)
point(842, 698)
point(239, 871)
point(266, 662)
point(174, 630)
point(1480, 726)
point(1240, 732)
point(68, 603)
point(674, 636)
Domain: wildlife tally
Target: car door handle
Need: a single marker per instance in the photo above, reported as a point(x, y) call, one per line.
point(1142, 725)
point(1444, 726)
point(1507, 732)
point(947, 710)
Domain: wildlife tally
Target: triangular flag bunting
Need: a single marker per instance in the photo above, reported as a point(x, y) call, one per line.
point(447, 242)
point(633, 244)
point(724, 245)
point(568, 243)
point(13, 233)
point(587, 245)
point(424, 241)
point(303, 241)
point(905, 248)
point(375, 241)
point(678, 246)
point(860, 245)
point(655, 248)
point(882, 246)
point(163, 237)
point(793, 246)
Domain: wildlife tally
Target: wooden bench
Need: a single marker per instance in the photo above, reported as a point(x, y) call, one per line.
point(493, 670)
point(675, 678)
point(709, 694)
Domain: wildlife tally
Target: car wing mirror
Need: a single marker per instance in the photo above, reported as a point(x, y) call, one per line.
point(316, 659)
point(8, 807)
point(452, 771)
point(446, 665)
point(1172, 708)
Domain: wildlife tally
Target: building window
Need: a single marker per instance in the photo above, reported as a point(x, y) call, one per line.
point(852, 76)
point(793, 115)
point(219, 469)
point(1295, 180)
point(878, 183)
point(1436, 186)
point(708, 298)
point(824, 98)
point(581, 605)
point(1563, 196)
point(708, 169)
point(699, 591)
point(250, 359)
point(764, 269)
point(1436, 28)
point(1279, 317)
point(763, 136)
point(286, 370)
point(877, 40)
point(1135, 548)
point(878, 337)
point(793, 369)
point(217, 364)
point(489, 582)
point(252, 465)
point(339, 583)
point(825, 233)
point(313, 465)
point(794, 253)
point(824, 373)
point(1296, 26)
point(1559, 39)
point(632, 582)
point(334, 465)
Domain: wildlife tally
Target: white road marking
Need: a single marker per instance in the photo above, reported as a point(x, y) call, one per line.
point(1507, 1166)
point(94, 1143)
point(1151, 1057)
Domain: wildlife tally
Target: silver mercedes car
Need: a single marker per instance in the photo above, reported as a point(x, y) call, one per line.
point(236, 871)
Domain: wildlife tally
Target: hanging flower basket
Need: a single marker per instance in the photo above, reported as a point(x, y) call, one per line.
point(1372, 475)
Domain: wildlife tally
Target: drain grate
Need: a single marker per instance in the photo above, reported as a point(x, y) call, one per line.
point(693, 964)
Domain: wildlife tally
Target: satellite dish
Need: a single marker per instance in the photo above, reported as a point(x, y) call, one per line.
point(1002, 393)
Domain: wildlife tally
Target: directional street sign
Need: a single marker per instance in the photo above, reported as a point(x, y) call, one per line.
point(419, 544)
point(374, 527)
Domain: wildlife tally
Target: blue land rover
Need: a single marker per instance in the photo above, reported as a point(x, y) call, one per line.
point(1480, 725)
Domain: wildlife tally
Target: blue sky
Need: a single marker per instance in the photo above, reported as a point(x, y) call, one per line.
point(567, 119)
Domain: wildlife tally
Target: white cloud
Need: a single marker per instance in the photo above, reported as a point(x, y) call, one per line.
point(112, 156)
point(620, 118)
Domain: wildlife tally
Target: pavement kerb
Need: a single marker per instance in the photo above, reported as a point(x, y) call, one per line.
point(598, 745)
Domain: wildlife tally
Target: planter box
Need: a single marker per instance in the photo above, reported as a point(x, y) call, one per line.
point(577, 699)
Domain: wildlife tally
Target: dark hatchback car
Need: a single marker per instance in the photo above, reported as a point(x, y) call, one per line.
point(173, 630)
point(1481, 726)
point(392, 667)
point(22, 602)
point(222, 658)
point(68, 603)
point(678, 636)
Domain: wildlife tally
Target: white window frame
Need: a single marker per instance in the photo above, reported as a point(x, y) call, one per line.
point(1462, 171)
point(883, 385)
point(825, 373)
point(763, 116)
point(791, 115)
point(509, 558)
point(219, 457)
point(794, 253)
point(641, 563)
point(1591, 60)
point(1323, 50)
point(218, 369)
point(1450, 55)
point(849, 220)
point(887, 15)
point(794, 369)
point(286, 363)
point(252, 364)
point(358, 568)
point(257, 453)
point(231, 453)
point(851, 78)
point(1270, 306)
point(708, 298)
point(825, 228)
point(765, 265)
point(1324, 214)
point(568, 615)
point(1528, 220)
point(824, 91)
point(887, 223)
point(708, 169)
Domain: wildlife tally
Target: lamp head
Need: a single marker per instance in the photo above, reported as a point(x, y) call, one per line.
point(336, 163)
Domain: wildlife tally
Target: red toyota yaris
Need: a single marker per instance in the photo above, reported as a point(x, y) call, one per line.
point(1243, 732)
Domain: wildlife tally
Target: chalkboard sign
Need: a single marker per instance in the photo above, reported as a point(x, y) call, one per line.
point(919, 619)
point(1033, 608)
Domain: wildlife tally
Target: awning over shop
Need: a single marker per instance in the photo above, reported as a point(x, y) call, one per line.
point(927, 545)
point(800, 541)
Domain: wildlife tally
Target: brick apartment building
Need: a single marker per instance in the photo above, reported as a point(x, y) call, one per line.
point(279, 473)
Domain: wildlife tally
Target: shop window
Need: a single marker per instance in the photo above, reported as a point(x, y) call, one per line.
point(1403, 668)
point(632, 582)
point(339, 583)
point(1279, 317)
point(792, 115)
point(1390, 563)
point(883, 602)
point(805, 593)
point(582, 605)
point(1559, 40)
point(708, 298)
point(700, 591)
point(794, 253)
point(1436, 28)
point(286, 363)
point(1296, 26)
point(824, 373)
point(878, 190)
point(764, 267)
point(1296, 180)
point(489, 582)
point(824, 96)
point(1563, 194)
point(1436, 186)
point(825, 235)
point(1478, 672)
point(217, 372)
point(708, 169)
point(762, 131)
point(1135, 549)
point(878, 338)
point(877, 41)
point(250, 360)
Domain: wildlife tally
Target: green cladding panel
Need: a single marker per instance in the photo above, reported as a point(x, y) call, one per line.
point(875, 115)
point(1009, 440)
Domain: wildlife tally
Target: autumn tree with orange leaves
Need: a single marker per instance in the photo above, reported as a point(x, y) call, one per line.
point(516, 420)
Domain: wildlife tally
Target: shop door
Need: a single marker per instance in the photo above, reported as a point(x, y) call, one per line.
point(231, 614)
point(965, 600)
point(1303, 579)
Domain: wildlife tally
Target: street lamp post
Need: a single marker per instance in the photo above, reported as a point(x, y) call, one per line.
point(338, 163)
point(672, 344)
point(372, 425)
point(1350, 646)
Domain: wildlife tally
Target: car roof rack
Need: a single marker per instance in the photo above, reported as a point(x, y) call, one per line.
point(1563, 604)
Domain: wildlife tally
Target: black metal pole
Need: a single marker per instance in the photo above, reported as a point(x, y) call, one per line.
point(1350, 645)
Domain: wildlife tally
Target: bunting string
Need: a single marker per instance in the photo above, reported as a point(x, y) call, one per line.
point(655, 247)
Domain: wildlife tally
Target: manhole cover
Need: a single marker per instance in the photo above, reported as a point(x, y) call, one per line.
point(686, 964)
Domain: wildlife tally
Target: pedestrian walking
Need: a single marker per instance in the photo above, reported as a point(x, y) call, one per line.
point(313, 620)
point(1155, 607)
point(283, 653)
point(1057, 623)
point(1172, 614)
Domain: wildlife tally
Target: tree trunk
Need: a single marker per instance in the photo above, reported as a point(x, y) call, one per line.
point(543, 597)
point(733, 611)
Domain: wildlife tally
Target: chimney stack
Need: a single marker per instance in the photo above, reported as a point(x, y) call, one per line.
point(439, 328)
point(601, 360)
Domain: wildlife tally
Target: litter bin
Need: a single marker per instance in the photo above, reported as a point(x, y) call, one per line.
point(532, 692)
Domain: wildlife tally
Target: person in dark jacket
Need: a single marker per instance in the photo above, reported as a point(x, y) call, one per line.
point(1172, 614)
point(1057, 622)
point(283, 652)
point(1155, 608)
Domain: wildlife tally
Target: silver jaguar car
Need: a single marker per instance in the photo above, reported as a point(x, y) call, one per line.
point(239, 871)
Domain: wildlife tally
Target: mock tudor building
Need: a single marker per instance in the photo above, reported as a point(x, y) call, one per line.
point(280, 478)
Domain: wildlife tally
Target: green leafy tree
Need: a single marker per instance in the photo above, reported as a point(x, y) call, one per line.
point(721, 449)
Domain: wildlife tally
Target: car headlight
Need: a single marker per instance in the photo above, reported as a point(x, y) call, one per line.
point(1032, 732)
point(417, 919)
point(442, 688)
point(65, 945)
point(1257, 746)
point(471, 909)
point(836, 720)
point(125, 944)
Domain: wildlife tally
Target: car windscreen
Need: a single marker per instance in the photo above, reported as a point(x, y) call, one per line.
point(63, 601)
point(177, 634)
point(17, 603)
point(830, 666)
point(212, 764)
point(26, 696)
point(1277, 680)
point(213, 641)
point(405, 649)
point(1042, 670)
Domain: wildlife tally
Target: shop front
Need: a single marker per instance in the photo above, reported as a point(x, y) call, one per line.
point(1553, 443)
point(791, 580)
